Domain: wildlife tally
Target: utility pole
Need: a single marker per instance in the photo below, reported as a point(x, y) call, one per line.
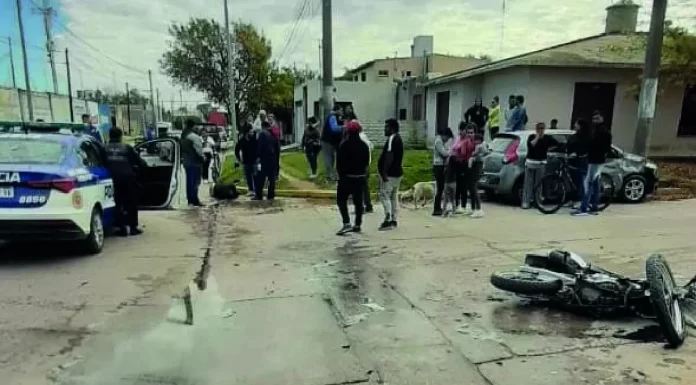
point(232, 107)
point(47, 13)
point(152, 97)
point(327, 58)
point(14, 80)
point(70, 98)
point(159, 110)
point(651, 69)
point(171, 109)
point(128, 112)
point(30, 103)
point(181, 100)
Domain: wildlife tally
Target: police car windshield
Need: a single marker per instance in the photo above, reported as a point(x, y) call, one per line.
point(30, 151)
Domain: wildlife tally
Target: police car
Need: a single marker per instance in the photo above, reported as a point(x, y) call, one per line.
point(55, 187)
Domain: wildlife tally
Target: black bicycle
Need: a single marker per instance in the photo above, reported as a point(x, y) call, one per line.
point(557, 189)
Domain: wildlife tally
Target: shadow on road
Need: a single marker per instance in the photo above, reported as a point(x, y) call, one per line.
point(27, 253)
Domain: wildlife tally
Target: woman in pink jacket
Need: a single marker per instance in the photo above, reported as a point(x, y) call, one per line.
point(459, 154)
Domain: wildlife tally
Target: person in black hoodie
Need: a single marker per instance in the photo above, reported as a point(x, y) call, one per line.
point(352, 162)
point(331, 137)
point(123, 163)
point(247, 146)
point(599, 144)
point(268, 165)
point(577, 148)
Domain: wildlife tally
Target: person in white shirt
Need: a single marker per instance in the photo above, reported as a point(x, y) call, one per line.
point(208, 150)
point(366, 195)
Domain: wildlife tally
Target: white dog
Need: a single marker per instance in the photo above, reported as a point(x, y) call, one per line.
point(420, 192)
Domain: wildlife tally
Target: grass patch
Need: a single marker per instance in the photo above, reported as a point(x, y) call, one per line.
point(230, 174)
point(418, 167)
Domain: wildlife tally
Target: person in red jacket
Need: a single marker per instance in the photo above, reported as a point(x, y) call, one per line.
point(275, 127)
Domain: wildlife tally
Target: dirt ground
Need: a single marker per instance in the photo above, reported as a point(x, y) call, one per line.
point(677, 181)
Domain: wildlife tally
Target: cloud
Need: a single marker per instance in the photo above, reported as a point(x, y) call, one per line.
point(134, 32)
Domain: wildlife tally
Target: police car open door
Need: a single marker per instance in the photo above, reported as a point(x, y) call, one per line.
point(159, 182)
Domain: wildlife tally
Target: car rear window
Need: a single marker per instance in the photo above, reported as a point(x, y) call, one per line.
point(501, 142)
point(29, 151)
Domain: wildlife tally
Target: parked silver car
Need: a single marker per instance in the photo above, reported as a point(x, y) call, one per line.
point(503, 169)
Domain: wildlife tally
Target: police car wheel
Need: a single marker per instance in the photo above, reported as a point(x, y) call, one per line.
point(95, 240)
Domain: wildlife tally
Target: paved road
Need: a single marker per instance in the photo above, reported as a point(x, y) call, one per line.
point(287, 302)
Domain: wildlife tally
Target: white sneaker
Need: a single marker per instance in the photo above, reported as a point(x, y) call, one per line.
point(251, 194)
point(477, 214)
point(467, 210)
point(458, 210)
point(312, 176)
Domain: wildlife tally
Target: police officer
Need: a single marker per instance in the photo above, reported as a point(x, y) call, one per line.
point(122, 161)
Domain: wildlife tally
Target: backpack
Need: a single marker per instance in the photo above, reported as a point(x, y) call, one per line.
point(225, 191)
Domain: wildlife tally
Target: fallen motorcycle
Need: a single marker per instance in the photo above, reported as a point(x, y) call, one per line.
point(567, 279)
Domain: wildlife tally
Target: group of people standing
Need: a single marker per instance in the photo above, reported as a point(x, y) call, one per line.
point(347, 153)
point(457, 164)
point(258, 151)
point(587, 147)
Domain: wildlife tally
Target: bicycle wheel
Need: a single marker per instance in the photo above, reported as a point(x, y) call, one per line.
point(606, 192)
point(216, 168)
point(550, 194)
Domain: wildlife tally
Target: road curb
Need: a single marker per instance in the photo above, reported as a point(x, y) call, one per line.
point(308, 194)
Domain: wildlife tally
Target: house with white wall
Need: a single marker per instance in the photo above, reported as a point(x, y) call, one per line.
point(570, 81)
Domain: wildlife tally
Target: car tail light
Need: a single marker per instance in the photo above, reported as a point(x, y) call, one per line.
point(62, 185)
point(511, 152)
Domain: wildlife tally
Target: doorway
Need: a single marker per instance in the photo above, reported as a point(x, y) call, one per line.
point(591, 97)
point(442, 110)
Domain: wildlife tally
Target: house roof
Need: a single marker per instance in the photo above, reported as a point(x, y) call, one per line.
point(605, 50)
point(371, 62)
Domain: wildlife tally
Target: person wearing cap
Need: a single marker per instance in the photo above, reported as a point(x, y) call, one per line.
point(352, 161)
point(123, 162)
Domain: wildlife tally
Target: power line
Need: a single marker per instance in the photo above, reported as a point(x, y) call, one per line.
point(95, 49)
point(314, 11)
point(298, 19)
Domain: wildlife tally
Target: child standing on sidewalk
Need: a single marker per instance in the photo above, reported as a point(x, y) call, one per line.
point(449, 201)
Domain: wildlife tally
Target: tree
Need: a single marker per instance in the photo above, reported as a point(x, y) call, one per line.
point(136, 98)
point(197, 58)
point(678, 65)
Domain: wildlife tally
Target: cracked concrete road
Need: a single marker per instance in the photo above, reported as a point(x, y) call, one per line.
point(288, 302)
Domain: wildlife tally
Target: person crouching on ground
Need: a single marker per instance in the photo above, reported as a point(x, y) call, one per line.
point(311, 143)
point(123, 163)
point(268, 164)
point(538, 146)
point(474, 172)
point(352, 161)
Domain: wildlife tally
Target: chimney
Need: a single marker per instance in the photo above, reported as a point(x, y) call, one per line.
point(622, 17)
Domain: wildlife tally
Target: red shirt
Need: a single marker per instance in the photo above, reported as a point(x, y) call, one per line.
point(218, 119)
point(275, 130)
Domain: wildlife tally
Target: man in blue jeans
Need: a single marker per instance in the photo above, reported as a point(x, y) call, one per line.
point(599, 145)
point(268, 165)
point(192, 157)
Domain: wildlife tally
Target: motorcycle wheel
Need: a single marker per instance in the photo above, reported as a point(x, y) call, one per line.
point(663, 295)
point(526, 283)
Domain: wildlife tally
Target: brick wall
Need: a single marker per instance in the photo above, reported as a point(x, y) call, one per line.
point(412, 132)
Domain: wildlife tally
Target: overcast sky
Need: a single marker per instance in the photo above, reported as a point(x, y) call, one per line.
point(134, 32)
